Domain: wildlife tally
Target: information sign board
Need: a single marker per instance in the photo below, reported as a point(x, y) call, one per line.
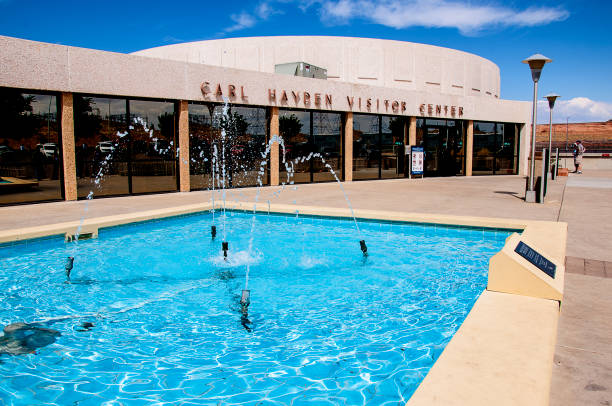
point(416, 160)
point(536, 259)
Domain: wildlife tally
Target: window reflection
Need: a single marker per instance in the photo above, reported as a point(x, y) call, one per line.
point(101, 146)
point(30, 148)
point(327, 141)
point(443, 142)
point(366, 146)
point(295, 129)
point(392, 147)
point(242, 149)
point(153, 151)
point(495, 148)
point(378, 146)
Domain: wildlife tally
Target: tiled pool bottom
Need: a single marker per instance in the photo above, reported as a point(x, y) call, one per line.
point(327, 326)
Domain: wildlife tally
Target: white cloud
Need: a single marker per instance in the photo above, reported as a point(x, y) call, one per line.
point(578, 109)
point(265, 10)
point(468, 17)
point(241, 21)
point(248, 19)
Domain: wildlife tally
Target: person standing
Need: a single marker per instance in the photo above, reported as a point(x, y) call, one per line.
point(578, 153)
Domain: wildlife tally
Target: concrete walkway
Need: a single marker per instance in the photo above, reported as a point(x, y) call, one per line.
point(582, 373)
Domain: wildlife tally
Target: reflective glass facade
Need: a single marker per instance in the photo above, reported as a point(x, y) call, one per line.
point(101, 146)
point(117, 156)
point(495, 148)
point(443, 142)
point(153, 133)
point(30, 147)
point(392, 147)
point(130, 146)
point(378, 146)
point(239, 139)
point(305, 133)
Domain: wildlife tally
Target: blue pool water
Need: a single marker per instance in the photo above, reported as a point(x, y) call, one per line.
point(327, 327)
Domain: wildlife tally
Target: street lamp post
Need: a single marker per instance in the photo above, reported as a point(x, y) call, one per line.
point(536, 63)
point(551, 97)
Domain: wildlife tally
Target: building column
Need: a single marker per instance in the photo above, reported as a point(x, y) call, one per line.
point(183, 144)
point(469, 148)
point(412, 131)
point(274, 150)
point(524, 149)
point(348, 146)
point(68, 153)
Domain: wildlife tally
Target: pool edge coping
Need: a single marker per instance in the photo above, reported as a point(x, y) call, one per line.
point(92, 225)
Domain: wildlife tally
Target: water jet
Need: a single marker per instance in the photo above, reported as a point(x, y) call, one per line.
point(69, 265)
point(225, 248)
point(364, 248)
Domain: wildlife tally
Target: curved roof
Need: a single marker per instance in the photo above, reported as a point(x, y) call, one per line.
point(387, 63)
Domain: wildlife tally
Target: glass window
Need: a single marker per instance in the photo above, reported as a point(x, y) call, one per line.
point(30, 147)
point(241, 149)
point(246, 129)
point(202, 135)
point(295, 128)
point(495, 148)
point(484, 148)
point(101, 146)
point(506, 160)
point(444, 146)
point(153, 150)
point(327, 141)
point(455, 147)
point(366, 146)
point(420, 124)
point(392, 147)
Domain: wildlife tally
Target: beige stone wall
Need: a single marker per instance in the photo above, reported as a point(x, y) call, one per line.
point(469, 148)
point(367, 61)
point(274, 148)
point(68, 153)
point(41, 66)
point(183, 135)
point(348, 147)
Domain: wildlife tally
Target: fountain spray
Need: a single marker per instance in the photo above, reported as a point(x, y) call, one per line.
point(213, 229)
point(245, 300)
point(312, 155)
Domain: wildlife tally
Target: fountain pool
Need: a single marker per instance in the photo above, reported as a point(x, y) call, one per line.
point(152, 311)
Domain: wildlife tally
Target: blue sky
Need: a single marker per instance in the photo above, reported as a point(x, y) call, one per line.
point(571, 32)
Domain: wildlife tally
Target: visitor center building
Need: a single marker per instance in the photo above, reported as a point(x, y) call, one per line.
point(264, 110)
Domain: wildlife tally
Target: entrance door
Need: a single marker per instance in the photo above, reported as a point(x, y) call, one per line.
point(443, 145)
point(432, 137)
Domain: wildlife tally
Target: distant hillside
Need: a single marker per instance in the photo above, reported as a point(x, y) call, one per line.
point(595, 136)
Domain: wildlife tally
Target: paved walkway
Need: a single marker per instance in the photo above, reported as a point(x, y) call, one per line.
point(582, 373)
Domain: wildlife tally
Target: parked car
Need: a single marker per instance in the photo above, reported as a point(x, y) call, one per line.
point(49, 149)
point(106, 146)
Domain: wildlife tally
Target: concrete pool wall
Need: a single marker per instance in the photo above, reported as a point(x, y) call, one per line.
point(502, 353)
